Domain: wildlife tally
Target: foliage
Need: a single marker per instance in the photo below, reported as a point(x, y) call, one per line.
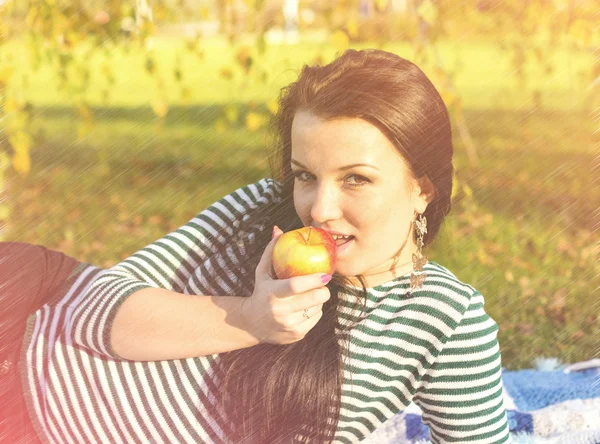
point(67, 34)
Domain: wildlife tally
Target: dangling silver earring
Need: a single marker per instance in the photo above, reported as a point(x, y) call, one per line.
point(418, 276)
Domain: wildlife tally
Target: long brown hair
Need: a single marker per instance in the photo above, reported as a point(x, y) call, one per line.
point(275, 393)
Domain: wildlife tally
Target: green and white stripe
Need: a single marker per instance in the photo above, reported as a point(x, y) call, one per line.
point(436, 347)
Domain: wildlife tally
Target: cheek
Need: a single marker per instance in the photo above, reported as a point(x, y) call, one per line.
point(379, 219)
point(369, 206)
point(364, 214)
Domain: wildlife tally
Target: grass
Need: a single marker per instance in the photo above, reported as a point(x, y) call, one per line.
point(522, 226)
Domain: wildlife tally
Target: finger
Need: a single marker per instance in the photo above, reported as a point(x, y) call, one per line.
point(301, 284)
point(311, 299)
point(318, 297)
point(313, 317)
point(264, 266)
point(309, 313)
point(308, 300)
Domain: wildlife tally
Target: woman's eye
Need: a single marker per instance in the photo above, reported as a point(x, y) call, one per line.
point(359, 180)
point(356, 181)
point(298, 175)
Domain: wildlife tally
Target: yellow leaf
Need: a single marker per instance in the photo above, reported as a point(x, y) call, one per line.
point(21, 163)
point(509, 276)
point(352, 28)
point(232, 113)
point(381, 5)
point(31, 15)
point(160, 107)
point(69, 235)
point(20, 141)
point(458, 106)
point(561, 5)
point(226, 73)
point(428, 11)
point(244, 58)
point(580, 32)
point(439, 76)
point(448, 96)
point(101, 170)
point(273, 106)
point(220, 126)
point(186, 94)
point(467, 190)
point(254, 121)
point(85, 112)
point(6, 72)
point(4, 211)
point(204, 13)
point(455, 186)
point(4, 161)
point(74, 37)
point(339, 39)
point(85, 128)
point(11, 105)
point(482, 256)
point(524, 281)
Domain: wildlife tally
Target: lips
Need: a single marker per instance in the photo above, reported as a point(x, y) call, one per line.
point(335, 233)
point(340, 242)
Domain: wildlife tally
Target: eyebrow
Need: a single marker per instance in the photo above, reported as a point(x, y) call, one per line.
point(347, 167)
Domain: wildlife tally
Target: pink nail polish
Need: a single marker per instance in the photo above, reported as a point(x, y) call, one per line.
point(325, 278)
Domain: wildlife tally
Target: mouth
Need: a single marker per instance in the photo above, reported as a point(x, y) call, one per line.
point(342, 241)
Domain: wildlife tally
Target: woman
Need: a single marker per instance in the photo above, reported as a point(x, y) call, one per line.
point(137, 354)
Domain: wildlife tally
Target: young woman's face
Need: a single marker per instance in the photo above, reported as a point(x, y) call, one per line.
point(372, 202)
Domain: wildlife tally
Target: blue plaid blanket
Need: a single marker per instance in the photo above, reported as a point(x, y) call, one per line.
point(552, 403)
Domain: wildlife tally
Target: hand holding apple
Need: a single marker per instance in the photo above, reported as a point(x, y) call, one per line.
point(304, 251)
point(282, 311)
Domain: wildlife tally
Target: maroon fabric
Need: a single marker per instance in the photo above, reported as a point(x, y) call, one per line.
point(30, 276)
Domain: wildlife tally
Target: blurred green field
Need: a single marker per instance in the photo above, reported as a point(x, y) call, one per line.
point(483, 73)
point(521, 228)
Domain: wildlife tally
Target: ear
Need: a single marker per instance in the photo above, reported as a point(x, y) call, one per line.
point(424, 193)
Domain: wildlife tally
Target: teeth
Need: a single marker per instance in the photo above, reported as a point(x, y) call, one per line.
point(336, 237)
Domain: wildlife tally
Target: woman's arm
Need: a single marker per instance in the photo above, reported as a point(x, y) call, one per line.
point(462, 395)
point(168, 264)
point(154, 324)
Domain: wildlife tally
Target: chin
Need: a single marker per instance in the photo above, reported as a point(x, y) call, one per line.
point(346, 271)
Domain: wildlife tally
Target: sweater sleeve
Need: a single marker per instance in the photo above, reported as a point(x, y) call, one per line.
point(167, 263)
point(461, 393)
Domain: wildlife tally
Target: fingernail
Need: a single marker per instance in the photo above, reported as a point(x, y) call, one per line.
point(325, 278)
point(274, 231)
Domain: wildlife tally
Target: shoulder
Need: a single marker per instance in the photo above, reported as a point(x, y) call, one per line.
point(248, 204)
point(247, 199)
point(240, 205)
point(469, 302)
point(443, 286)
point(443, 302)
point(264, 191)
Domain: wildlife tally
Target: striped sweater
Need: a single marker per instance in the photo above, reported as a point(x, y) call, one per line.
point(435, 348)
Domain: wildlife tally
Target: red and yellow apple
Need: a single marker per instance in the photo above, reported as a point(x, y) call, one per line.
point(304, 251)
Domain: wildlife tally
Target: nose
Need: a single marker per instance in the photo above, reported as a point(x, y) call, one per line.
point(325, 204)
